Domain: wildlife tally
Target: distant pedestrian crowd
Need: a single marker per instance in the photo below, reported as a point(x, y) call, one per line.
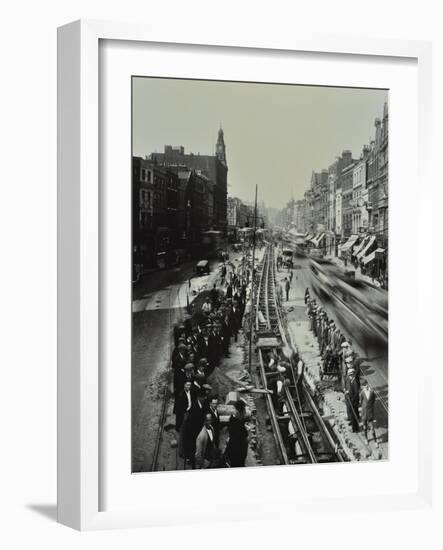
point(200, 343)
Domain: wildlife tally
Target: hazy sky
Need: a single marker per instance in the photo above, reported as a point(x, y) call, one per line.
point(275, 135)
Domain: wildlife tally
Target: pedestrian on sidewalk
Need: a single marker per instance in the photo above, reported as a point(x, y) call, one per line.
point(307, 295)
point(367, 404)
point(223, 275)
point(287, 287)
point(291, 275)
point(229, 292)
point(226, 333)
point(352, 396)
point(234, 321)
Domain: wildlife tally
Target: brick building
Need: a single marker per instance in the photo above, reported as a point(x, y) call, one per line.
point(213, 167)
point(155, 211)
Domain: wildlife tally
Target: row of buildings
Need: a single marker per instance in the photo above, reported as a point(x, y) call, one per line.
point(177, 197)
point(241, 215)
point(349, 198)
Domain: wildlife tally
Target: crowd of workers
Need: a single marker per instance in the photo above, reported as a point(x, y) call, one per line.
point(339, 359)
point(200, 344)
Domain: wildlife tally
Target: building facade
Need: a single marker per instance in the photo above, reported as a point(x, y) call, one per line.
point(359, 201)
point(350, 198)
point(346, 201)
point(378, 180)
point(155, 211)
point(213, 167)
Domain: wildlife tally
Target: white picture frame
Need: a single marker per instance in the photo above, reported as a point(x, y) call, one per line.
point(79, 268)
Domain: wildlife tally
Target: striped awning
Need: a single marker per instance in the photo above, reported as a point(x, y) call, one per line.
point(367, 246)
point(369, 258)
point(372, 256)
point(316, 242)
point(349, 243)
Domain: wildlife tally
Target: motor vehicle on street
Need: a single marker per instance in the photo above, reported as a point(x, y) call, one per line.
point(202, 267)
point(288, 255)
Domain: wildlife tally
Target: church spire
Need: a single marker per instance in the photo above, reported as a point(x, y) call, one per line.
point(220, 148)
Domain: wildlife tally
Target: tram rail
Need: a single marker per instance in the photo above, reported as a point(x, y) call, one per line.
point(299, 414)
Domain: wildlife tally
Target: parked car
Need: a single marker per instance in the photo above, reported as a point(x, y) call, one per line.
point(202, 267)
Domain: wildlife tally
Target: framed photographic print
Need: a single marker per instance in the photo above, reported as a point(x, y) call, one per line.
point(232, 274)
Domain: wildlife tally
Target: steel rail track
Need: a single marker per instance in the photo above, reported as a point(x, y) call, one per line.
point(266, 299)
point(262, 291)
point(319, 421)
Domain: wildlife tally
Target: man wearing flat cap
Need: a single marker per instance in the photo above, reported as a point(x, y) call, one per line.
point(352, 396)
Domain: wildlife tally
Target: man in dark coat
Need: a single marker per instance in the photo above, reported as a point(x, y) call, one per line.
point(352, 396)
point(237, 447)
point(179, 356)
point(204, 345)
point(193, 426)
point(367, 404)
point(234, 321)
point(226, 333)
point(211, 408)
point(183, 405)
point(179, 382)
point(215, 299)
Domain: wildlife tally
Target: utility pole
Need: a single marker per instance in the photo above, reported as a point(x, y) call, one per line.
point(251, 322)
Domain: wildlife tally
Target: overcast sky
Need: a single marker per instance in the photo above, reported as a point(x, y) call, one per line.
point(275, 135)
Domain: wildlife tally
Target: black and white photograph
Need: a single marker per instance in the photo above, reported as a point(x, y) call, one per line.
point(260, 261)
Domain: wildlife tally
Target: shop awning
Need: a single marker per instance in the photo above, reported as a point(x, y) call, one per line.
point(367, 246)
point(316, 242)
point(349, 243)
point(359, 247)
point(369, 258)
point(372, 256)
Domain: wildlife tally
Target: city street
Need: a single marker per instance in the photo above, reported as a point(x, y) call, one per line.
point(191, 346)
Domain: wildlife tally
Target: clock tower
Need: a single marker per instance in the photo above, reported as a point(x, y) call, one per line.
point(220, 148)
